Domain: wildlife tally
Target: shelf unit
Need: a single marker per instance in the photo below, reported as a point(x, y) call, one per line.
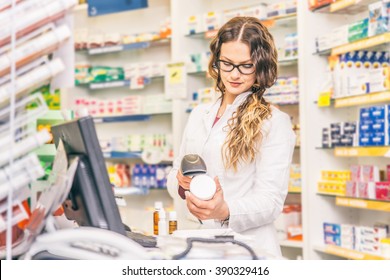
point(366, 99)
point(345, 7)
point(316, 208)
point(115, 126)
point(327, 207)
point(291, 244)
point(362, 151)
point(360, 203)
point(346, 253)
point(363, 203)
point(127, 47)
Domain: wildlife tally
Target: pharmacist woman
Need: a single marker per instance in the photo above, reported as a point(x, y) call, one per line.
point(246, 143)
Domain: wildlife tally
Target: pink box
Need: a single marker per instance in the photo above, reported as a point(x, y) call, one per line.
point(351, 189)
point(355, 173)
point(370, 173)
point(382, 190)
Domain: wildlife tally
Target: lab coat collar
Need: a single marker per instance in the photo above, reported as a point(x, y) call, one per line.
point(211, 112)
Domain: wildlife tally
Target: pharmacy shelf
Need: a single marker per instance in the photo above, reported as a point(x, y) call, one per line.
point(295, 190)
point(274, 22)
point(123, 83)
point(197, 73)
point(329, 194)
point(291, 244)
point(127, 118)
point(369, 98)
point(346, 253)
point(124, 118)
point(347, 7)
point(132, 46)
point(281, 21)
point(122, 155)
point(126, 191)
point(350, 7)
point(363, 203)
point(288, 61)
point(382, 151)
point(362, 44)
point(285, 104)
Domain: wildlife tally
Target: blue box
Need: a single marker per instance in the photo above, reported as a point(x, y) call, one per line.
point(365, 139)
point(364, 114)
point(379, 139)
point(365, 128)
point(332, 239)
point(378, 112)
point(378, 126)
point(332, 228)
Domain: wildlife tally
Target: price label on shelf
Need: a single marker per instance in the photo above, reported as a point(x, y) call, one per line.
point(324, 99)
point(175, 81)
point(137, 83)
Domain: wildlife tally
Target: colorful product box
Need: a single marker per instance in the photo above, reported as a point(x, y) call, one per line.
point(332, 228)
point(332, 239)
point(366, 190)
point(368, 249)
point(358, 30)
point(315, 4)
point(211, 21)
point(352, 189)
point(194, 25)
point(388, 172)
point(382, 190)
point(378, 18)
point(379, 232)
point(369, 173)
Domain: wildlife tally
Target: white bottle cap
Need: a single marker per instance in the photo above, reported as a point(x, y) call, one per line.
point(203, 187)
point(158, 205)
point(172, 216)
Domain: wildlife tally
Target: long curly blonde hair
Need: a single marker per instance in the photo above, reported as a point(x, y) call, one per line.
point(244, 134)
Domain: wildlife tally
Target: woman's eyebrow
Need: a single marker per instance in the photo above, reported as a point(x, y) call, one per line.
point(248, 61)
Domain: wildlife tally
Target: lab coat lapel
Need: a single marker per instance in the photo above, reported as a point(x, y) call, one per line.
point(209, 116)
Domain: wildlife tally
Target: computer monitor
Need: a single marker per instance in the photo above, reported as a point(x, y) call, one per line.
point(91, 200)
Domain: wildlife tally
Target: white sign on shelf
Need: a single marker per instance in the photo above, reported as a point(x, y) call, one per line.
point(175, 81)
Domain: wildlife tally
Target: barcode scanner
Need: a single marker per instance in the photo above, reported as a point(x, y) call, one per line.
point(202, 186)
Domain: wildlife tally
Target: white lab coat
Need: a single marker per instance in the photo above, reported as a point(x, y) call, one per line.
point(256, 193)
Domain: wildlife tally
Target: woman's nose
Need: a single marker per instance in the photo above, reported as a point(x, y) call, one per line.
point(235, 73)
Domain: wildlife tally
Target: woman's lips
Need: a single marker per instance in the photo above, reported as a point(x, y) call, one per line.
point(233, 84)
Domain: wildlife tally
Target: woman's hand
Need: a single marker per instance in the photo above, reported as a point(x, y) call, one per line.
point(215, 208)
point(184, 181)
point(184, 184)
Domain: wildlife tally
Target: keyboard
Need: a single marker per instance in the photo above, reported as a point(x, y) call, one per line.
point(142, 239)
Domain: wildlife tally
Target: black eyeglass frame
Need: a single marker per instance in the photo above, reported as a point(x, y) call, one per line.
point(234, 66)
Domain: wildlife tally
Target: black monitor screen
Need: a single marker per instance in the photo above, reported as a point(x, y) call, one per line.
point(91, 201)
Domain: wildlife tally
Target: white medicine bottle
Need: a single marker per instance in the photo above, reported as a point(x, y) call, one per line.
point(162, 223)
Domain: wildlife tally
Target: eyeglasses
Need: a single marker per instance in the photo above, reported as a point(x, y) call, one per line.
point(226, 66)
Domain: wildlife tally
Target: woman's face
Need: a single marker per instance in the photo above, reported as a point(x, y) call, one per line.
point(235, 82)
